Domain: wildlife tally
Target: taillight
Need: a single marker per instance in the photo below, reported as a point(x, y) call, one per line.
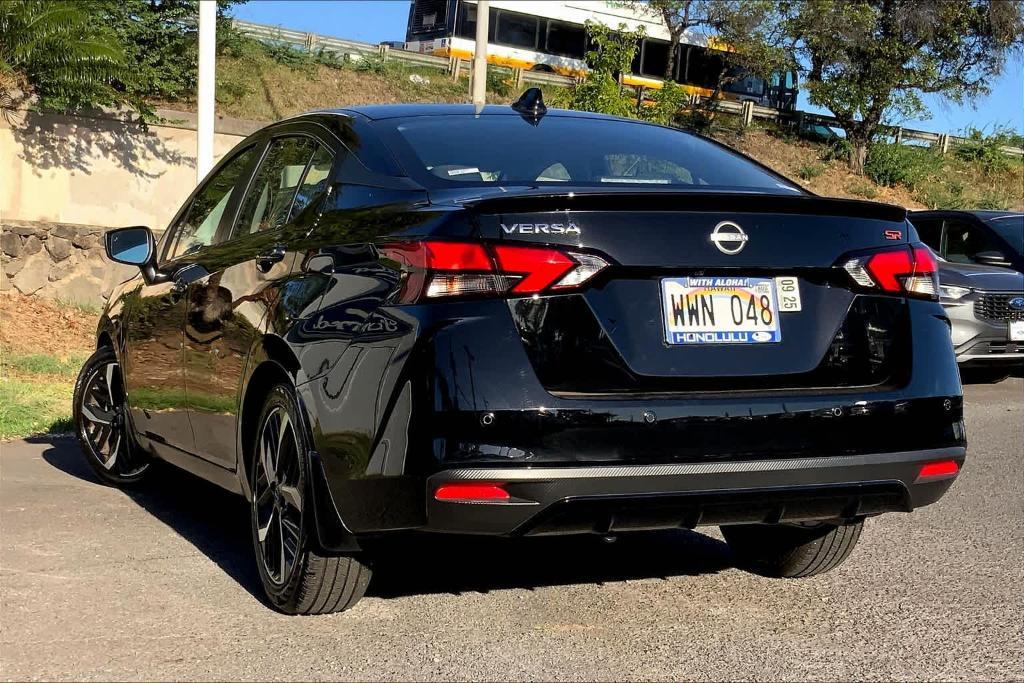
point(911, 270)
point(538, 268)
point(434, 269)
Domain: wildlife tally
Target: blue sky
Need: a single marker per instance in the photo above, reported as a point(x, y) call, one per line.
point(374, 21)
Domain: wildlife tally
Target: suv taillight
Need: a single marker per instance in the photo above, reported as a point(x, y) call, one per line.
point(910, 270)
point(434, 269)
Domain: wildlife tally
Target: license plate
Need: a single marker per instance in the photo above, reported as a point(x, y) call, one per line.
point(720, 310)
point(1016, 330)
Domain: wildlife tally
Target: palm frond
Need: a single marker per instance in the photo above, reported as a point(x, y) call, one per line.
point(64, 55)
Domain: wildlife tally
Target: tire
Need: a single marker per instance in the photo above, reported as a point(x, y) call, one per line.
point(103, 424)
point(296, 579)
point(786, 551)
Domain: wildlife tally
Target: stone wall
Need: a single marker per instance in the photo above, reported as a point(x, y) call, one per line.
point(58, 260)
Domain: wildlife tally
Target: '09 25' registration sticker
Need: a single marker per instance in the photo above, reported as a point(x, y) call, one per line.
point(788, 290)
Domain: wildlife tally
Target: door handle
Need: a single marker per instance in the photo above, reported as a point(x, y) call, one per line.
point(184, 277)
point(266, 260)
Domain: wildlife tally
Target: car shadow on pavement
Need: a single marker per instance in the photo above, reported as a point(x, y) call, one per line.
point(216, 523)
point(213, 520)
point(424, 564)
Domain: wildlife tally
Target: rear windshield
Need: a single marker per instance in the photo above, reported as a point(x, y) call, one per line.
point(500, 150)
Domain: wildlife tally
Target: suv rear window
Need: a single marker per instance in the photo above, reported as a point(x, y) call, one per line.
point(501, 150)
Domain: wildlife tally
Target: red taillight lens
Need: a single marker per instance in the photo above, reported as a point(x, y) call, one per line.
point(471, 491)
point(540, 268)
point(434, 269)
point(888, 266)
point(910, 270)
point(942, 468)
point(439, 255)
point(457, 256)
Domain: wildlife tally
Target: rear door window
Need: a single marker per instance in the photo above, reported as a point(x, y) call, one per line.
point(314, 183)
point(268, 203)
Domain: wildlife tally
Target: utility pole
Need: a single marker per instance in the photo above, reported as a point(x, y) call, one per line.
point(207, 87)
point(479, 78)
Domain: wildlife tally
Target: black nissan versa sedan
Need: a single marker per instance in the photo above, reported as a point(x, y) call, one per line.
point(523, 322)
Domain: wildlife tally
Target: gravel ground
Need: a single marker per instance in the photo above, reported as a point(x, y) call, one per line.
point(99, 584)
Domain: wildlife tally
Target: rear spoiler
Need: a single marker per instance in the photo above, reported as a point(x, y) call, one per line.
point(661, 200)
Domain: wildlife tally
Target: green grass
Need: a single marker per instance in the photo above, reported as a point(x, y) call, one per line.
point(864, 189)
point(83, 306)
point(36, 391)
point(810, 171)
point(44, 364)
point(30, 406)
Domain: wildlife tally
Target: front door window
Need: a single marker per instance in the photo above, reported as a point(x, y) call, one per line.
point(199, 227)
point(962, 241)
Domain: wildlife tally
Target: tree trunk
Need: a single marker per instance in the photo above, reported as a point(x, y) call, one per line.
point(859, 135)
point(858, 155)
point(673, 48)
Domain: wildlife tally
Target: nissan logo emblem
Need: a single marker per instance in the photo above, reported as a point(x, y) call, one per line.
point(729, 237)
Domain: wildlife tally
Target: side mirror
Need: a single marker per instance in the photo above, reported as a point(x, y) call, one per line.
point(991, 258)
point(133, 246)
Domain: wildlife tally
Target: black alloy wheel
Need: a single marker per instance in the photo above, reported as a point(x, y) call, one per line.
point(296, 577)
point(278, 482)
point(102, 423)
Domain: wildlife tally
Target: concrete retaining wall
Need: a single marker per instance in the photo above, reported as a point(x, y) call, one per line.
point(102, 170)
point(64, 180)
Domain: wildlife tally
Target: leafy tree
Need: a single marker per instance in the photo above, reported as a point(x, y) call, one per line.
point(54, 50)
point(75, 54)
point(731, 26)
point(666, 103)
point(682, 17)
point(160, 39)
point(611, 56)
point(867, 60)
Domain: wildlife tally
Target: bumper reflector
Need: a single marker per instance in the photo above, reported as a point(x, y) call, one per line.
point(471, 491)
point(942, 468)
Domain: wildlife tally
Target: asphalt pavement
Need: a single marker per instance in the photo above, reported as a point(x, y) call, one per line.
point(159, 583)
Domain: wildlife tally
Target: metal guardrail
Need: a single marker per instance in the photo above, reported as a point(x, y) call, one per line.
point(354, 49)
point(349, 49)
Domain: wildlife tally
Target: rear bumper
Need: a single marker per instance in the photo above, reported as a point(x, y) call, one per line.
point(608, 499)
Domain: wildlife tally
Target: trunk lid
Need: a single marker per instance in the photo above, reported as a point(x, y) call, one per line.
point(615, 330)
